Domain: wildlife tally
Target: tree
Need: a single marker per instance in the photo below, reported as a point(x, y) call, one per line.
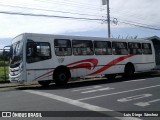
point(4, 56)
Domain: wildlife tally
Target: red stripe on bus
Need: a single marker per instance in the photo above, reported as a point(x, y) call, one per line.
point(88, 64)
point(110, 64)
point(43, 75)
point(91, 63)
point(82, 65)
point(47, 76)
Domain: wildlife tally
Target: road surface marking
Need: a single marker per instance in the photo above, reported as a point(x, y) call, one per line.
point(87, 88)
point(119, 92)
point(134, 97)
point(143, 104)
point(101, 89)
point(82, 105)
point(136, 80)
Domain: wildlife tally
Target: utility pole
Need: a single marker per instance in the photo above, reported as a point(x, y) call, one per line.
point(106, 2)
point(108, 19)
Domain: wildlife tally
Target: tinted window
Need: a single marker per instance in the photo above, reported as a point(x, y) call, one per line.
point(62, 47)
point(119, 48)
point(82, 47)
point(135, 48)
point(102, 48)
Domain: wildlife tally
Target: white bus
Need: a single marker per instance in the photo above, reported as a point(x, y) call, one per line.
point(46, 58)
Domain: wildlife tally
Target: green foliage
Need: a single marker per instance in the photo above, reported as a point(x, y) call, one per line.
point(4, 56)
point(2, 73)
point(4, 63)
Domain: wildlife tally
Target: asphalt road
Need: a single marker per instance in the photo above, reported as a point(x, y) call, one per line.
point(89, 100)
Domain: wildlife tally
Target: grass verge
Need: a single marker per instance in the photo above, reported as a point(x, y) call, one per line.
point(4, 78)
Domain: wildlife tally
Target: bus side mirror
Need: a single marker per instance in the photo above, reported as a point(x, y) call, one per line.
point(7, 52)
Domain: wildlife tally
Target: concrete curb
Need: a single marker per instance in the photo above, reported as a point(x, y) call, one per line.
point(4, 85)
point(8, 85)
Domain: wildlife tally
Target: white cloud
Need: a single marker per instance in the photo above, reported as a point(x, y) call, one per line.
point(144, 11)
point(14, 25)
point(1, 46)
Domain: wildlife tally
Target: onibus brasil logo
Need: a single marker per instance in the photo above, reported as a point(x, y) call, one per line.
point(21, 114)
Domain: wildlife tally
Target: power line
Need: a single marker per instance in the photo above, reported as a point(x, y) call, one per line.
point(13, 6)
point(138, 23)
point(142, 26)
point(131, 15)
point(43, 15)
point(57, 5)
point(77, 18)
point(72, 4)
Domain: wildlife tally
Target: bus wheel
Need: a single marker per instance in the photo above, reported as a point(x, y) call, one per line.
point(44, 83)
point(129, 70)
point(110, 76)
point(61, 77)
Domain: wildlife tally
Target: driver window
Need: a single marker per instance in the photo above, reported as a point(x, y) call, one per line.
point(38, 51)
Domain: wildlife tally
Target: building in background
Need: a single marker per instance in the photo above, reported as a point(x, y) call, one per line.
point(156, 43)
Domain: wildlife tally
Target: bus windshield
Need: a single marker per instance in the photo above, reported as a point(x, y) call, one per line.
point(16, 53)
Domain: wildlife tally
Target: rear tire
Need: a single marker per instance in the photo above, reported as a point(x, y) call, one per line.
point(129, 71)
point(61, 77)
point(44, 83)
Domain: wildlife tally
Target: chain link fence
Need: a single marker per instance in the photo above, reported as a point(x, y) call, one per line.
point(4, 65)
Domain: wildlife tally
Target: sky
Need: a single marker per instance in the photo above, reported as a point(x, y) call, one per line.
point(125, 14)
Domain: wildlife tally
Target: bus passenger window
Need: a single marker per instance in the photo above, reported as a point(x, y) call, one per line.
point(135, 48)
point(102, 48)
point(62, 47)
point(146, 47)
point(119, 48)
point(82, 47)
